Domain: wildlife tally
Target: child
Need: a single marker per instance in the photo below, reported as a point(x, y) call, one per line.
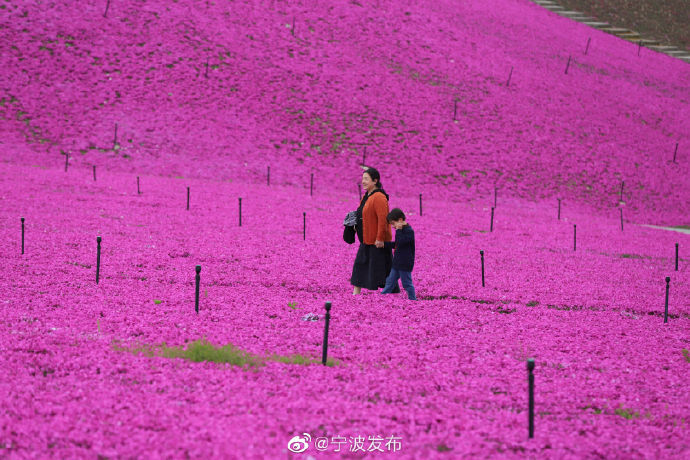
point(403, 259)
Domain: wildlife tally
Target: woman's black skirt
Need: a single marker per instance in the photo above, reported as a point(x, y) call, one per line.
point(372, 267)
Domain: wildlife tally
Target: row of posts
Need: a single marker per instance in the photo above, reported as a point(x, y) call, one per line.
point(198, 267)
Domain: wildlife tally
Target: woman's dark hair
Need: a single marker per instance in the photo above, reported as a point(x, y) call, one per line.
point(395, 214)
point(375, 176)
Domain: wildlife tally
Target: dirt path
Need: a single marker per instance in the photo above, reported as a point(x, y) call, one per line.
point(675, 229)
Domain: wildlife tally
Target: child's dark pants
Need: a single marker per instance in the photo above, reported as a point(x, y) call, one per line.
point(392, 281)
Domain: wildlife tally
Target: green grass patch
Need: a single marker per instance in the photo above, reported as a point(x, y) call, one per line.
point(597, 410)
point(626, 413)
point(157, 301)
point(630, 256)
point(532, 303)
point(443, 448)
point(686, 354)
point(480, 301)
point(204, 351)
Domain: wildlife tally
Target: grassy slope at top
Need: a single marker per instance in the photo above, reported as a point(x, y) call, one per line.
point(668, 24)
point(222, 90)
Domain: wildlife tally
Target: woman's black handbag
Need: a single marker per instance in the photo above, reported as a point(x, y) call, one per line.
point(349, 230)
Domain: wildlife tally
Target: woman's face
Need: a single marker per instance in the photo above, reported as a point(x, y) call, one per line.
point(367, 183)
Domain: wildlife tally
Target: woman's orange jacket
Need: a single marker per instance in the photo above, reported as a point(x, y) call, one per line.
point(374, 219)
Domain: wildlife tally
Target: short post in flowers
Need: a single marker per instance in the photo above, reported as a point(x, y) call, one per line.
point(492, 220)
point(240, 199)
point(420, 204)
point(481, 254)
point(187, 198)
point(559, 209)
point(668, 280)
point(676, 250)
point(23, 243)
point(94, 173)
point(621, 209)
point(98, 258)
point(138, 189)
point(574, 237)
point(304, 226)
point(324, 357)
point(198, 281)
point(530, 383)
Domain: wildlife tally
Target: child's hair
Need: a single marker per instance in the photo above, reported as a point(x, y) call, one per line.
point(395, 214)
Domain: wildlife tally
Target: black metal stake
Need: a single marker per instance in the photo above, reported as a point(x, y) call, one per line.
point(268, 175)
point(304, 226)
point(66, 160)
point(23, 243)
point(621, 219)
point(198, 281)
point(115, 137)
point(292, 30)
point(530, 383)
point(639, 47)
point(139, 190)
point(455, 109)
point(481, 253)
point(574, 237)
point(668, 280)
point(510, 75)
point(420, 204)
point(675, 152)
point(98, 258)
point(559, 208)
point(94, 173)
point(311, 185)
point(492, 220)
point(495, 196)
point(676, 253)
point(325, 333)
point(587, 47)
point(206, 71)
point(567, 66)
point(107, 5)
point(240, 212)
point(187, 198)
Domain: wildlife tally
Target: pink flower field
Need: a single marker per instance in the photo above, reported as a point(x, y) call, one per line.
point(208, 95)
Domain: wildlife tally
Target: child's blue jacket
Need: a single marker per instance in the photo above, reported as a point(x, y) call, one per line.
point(403, 259)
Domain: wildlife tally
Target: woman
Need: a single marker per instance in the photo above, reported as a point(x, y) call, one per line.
point(373, 261)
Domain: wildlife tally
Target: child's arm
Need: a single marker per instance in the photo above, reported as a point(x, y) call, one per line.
point(404, 238)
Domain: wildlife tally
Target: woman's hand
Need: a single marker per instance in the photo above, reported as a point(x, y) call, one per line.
point(379, 244)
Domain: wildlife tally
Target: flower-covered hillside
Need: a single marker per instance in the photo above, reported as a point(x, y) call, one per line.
point(466, 96)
